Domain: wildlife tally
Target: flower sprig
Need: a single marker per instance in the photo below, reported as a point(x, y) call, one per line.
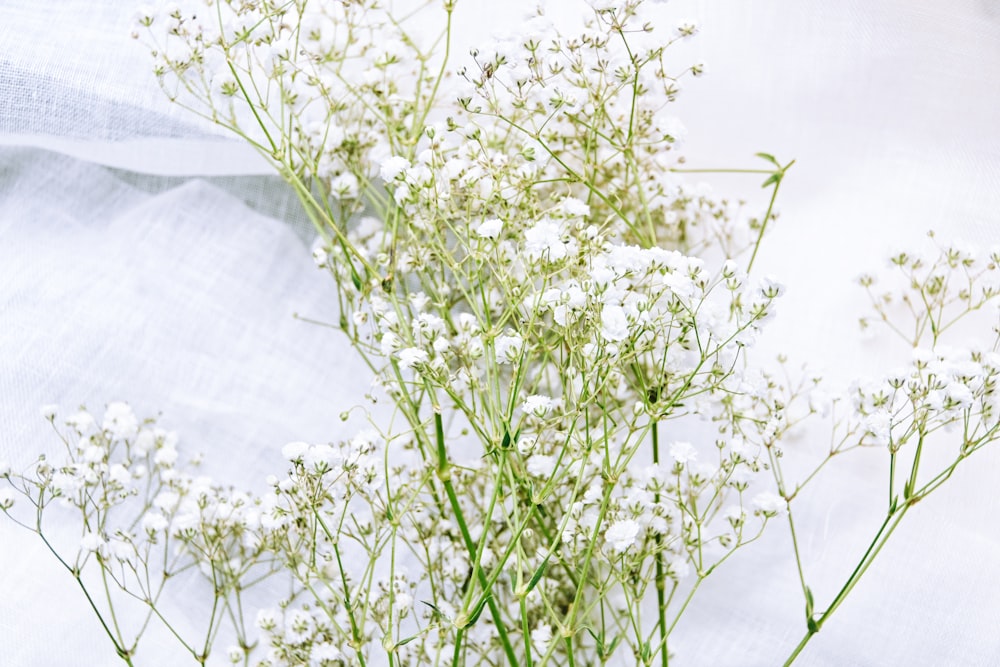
point(562, 327)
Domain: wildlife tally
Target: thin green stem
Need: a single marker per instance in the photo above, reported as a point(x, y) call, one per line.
point(444, 474)
point(798, 556)
point(678, 170)
point(525, 632)
point(892, 520)
point(585, 570)
point(763, 224)
point(911, 485)
point(661, 579)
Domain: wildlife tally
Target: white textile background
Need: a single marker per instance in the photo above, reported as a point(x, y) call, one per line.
point(144, 257)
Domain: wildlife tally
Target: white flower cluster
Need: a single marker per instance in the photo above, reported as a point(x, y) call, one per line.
point(562, 326)
point(313, 84)
point(943, 387)
point(927, 293)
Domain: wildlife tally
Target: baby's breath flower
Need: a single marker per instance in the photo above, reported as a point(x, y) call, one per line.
point(490, 229)
point(687, 28)
point(268, 620)
point(80, 421)
point(614, 323)
point(538, 405)
point(92, 541)
point(392, 168)
point(324, 653)
point(544, 240)
point(769, 503)
point(683, 452)
point(166, 455)
point(154, 523)
point(508, 348)
point(120, 421)
point(771, 288)
point(298, 627)
point(412, 356)
point(621, 535)
point(295, 451)
point(121, 549)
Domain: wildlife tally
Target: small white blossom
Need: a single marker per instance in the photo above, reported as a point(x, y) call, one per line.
point(80, 421)
point(294, 451)
point(621, 535)
point(390, 343)
point(154, 523)
point(321, 457)
point(320, 253)
point(235, 654)
point(144, 442)
point(614, 323)
point(490, 229)
point(324, 653)
point(392, 167)
point(345, 186)
point(538, 405)
point(771, 288)
point(167, 500)
point(298, 627)
point(268, 620)
point(412, 356)
point(683, 452)
point(575, 208)
point(120, 475)
point(508, 348)
point(120, 421)
point(544, 240)
point(121, 549)
point(166, 455)
point(770, 503)
point(91, 542)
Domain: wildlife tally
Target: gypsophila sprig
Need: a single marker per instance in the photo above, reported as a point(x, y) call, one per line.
point(561, 324)
point(145, 522)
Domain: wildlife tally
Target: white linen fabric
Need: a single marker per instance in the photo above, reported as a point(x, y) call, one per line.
point(147, 257)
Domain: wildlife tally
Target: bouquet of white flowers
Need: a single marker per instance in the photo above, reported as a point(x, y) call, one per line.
point(571, 432)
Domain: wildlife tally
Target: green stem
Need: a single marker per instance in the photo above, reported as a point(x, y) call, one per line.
point(892, 520)
point(525, 632)
point(444, 474)
point(122, 652)
point(798, 556)
point(457, 654)
point(348, 604)
point(661, 579)
point(763, 224)
point(911, 485)
point(449, 8)
point(892, 477)
point(605, 504)
point(677, 170)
